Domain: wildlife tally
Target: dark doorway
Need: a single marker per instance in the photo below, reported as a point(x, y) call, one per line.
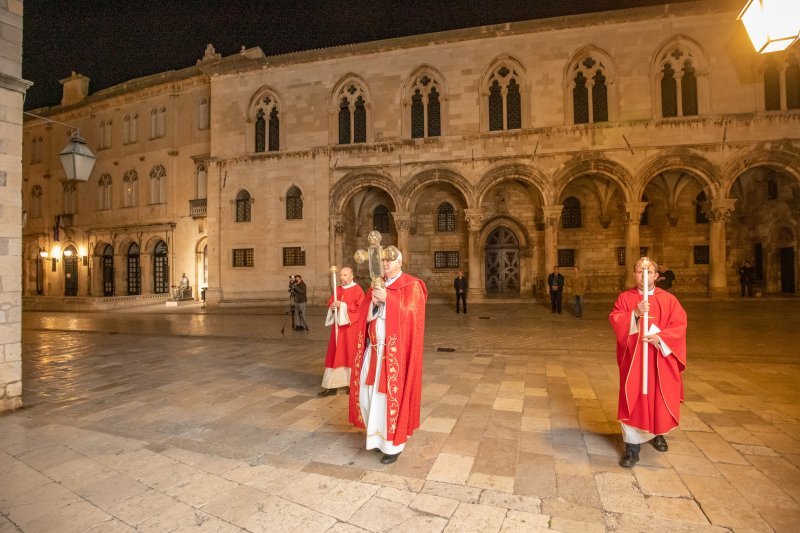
point(758, 261)
point(70, 272)
point(108, 271)
point(787, 270)
point(502, 262)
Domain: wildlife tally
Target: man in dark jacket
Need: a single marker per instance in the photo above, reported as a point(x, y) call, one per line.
point(299, 292)
point(555, 283)
point(460, 285)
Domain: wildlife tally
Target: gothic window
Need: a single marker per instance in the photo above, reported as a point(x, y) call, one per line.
point(446, 217)
point(380, 219)
point(104, 192)
point(417, 116)
point(700, 205)
point(130, 188)
point(426, 120)
point(36, 202)
point(571, 214)
point(352, 114)
point(589, 90)
point(160, 268)
point(504, 98)
point(158, 185)
point(134, 270)
point(69, 198)
point(202, 114)
point(243, 206)
point(267, 124)
point(678, 82)
point(294, 204)
point(202, 181)
point(772, 86)
point(434, 114)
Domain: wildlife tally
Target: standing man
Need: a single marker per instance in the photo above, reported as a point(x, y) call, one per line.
point(555, 282)
point(343, 313)
point(747, 275)
point(386, 381)
point(460, 285)
point(299, 292)
point(665, 279)
point(578, 285)
point(648, 416)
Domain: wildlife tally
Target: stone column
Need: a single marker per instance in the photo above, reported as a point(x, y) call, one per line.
point(474, 219)
point(718, 216)
point(633, 215)
point(552, 217)
point(402, 221)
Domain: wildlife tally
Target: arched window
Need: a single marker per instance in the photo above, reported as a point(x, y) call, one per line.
point(104, 192)
point(202, 182)
point(130, 188)
point(105, 134)
point(380, 219)
point(571, 213)
point(154, 123)
point(162, 122)
point(35, 210)
point(134, 270)
point(37, 149)
point(700, 205)
point(589, 91)
point(446, 217)
point(352, 109)
point(69, 198)
point(426, 120)
point(243, 206)
point(202, 114)
point(677, 80)
point(160, 268)
point(158, 185)
point(126, 129)
point(504, 98)
point(294, 204)
point(108, 271)
point(267, 124)
point(134, 131)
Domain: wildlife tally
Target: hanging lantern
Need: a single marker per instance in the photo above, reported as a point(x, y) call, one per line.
point(772, 25)
point(77, 159)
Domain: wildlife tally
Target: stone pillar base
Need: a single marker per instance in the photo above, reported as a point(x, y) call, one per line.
point(9, 404)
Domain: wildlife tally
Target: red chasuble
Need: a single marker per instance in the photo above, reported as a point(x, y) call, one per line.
point(343, 352)
point(400, 377)
point(659, 410)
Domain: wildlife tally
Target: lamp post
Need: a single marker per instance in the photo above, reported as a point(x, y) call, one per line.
point(772, 25)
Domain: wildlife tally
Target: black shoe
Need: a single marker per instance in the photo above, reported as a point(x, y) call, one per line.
point(388, 459)
point(298, 328)
point(660, 443)
point(630, 458)
point(306, 328)
point(346, 390)
point(327, 392)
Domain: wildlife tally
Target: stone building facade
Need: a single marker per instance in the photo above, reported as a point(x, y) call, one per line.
point(500, 151)
point(12, 95)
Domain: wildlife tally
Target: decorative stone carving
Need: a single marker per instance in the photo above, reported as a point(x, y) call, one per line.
point(402, 220)
point(474, 219)
point(337, 224)
point(552, 215)
point(720, 209)
point(633, 212)
point(209, 55)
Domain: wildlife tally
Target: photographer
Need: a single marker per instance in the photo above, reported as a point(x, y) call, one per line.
point(297, 291)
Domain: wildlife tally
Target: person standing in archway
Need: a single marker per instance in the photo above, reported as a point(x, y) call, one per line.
point(461, 285)
point(555, 283)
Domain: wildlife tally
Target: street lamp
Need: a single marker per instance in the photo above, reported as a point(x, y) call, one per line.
point(772, 25)
point(76, 158)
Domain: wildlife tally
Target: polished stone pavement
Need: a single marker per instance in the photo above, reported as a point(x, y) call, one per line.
point(188, 420)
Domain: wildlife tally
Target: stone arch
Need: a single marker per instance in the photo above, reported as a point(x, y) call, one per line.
point(125, 243)
point(611, 170)
point(492, 223)
point(150, 246)
point(346, 188)
point(783, 160)
point(677, 160)
point(525, 174)
point(415, 186)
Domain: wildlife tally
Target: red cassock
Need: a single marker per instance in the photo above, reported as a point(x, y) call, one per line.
point(341, 353)
point(659, 410)
point(401, 372)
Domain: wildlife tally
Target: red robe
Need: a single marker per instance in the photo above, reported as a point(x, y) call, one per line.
point(401, 372)
point(343, 352)
point(659, 410)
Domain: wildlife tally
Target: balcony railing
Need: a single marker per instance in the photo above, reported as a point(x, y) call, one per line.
point(197, 208)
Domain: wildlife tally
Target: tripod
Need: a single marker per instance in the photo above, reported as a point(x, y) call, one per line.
point(290, 312)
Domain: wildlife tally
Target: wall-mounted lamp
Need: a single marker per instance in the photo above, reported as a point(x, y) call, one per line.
point(772, 25)
point(68, 253)
point(43, 254)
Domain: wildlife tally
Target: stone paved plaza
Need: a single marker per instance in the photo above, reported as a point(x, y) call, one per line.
point(156, 420)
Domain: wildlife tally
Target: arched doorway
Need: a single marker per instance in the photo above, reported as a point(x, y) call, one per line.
point(502, 262)
point(108, 270)
point(134, 270)
point(160, 269)
point(70, 271)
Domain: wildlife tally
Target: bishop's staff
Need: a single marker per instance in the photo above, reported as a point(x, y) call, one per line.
point(645, 320)
point(333, 289)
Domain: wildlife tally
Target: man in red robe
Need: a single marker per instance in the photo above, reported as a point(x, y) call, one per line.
point(649, 416)
point(386, 381)
point(343, 317)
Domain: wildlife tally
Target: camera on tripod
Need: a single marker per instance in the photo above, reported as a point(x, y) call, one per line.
point(292, 281)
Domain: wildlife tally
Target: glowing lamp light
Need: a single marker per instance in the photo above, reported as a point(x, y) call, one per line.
point(77, 159)
point(772, 25)
point(43, 254)
point(56, 251)
point(67, 253)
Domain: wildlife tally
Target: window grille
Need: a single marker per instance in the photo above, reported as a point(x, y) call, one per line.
point(446, 217)
point(448, 259)
point(244, 257)
point(294, 256)
point(294, 204)
point(380, 219)
point(566, 257)
point(243, 207)
point(571, 213)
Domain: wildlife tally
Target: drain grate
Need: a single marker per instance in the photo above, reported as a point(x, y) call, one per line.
point(445, 349)
point(484, 317)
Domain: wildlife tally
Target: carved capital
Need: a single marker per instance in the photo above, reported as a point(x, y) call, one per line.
point(633, 212)
point(474, 219)
point(402, 220)
point(337, 224)
point(551, 215)
point(721, 209)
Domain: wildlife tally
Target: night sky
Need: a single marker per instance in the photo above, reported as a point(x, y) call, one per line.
point(112, 41)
